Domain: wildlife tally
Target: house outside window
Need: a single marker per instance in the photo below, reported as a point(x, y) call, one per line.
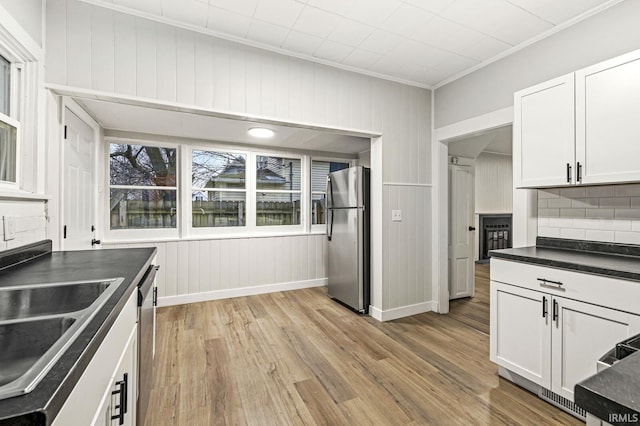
point(218, 189)
point(278, 191)
point(319, 172)
point(142, 186)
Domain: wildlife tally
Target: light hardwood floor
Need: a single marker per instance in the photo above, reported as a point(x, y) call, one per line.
point(474, 311)
point(298, 358)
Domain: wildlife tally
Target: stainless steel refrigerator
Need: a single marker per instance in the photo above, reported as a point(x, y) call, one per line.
point(348, 237)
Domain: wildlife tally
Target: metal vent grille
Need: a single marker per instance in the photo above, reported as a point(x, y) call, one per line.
point(563, 403)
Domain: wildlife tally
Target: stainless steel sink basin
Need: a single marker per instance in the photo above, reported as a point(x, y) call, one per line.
point(39, 322)
point(48, 299)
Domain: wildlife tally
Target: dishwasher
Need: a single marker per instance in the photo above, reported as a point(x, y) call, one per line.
point(147, 302)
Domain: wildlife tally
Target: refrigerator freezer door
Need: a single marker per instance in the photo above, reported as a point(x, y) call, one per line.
point(344, 189)
point(345, 258)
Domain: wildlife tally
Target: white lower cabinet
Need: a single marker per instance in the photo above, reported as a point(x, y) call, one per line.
point(96, 397)
point(551, 340)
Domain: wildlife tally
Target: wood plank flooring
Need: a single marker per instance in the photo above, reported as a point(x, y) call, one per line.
point(474, 311)
point(298, 358)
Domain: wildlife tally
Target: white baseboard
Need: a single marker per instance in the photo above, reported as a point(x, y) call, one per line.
point(239, 292)
point(403, 311)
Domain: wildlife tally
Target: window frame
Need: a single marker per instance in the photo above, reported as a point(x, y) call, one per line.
point(5, 184)
point(322, 227)
point(304, 194)
point(141, 233)
point(220, 231)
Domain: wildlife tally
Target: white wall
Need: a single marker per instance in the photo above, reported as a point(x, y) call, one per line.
point(30, 222)
point(493, 183)
point(94, 48)
point(29, 14)
point(608, 34)
point(598, 213)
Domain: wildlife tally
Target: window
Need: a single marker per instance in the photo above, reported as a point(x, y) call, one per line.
point(8, 150)
point(142, 184)
point(278, 191)
point(218, 189)
point(319, 172)
point(5, 85)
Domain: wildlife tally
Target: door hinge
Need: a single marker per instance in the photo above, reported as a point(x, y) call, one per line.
point(65, 131)
point(64, 231)
point(93, 228)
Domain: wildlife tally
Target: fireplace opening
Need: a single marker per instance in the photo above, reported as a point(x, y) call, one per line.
point(495, 234)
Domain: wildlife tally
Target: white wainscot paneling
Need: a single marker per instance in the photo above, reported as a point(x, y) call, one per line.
point(199, 270)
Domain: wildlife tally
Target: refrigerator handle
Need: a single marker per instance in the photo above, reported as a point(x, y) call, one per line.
point(329, 192)
point(330, 224)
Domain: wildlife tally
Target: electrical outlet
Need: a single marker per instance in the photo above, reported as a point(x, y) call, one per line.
point(396, 215)
point(9, 227)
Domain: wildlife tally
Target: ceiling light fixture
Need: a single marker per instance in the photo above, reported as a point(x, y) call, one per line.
point(261, 132)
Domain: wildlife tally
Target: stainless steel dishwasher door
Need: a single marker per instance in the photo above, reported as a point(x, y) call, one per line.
point(147, 300)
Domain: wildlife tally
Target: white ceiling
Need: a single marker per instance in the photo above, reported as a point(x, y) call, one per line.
point(134, 118)
point(423, 42)
point(497, 141)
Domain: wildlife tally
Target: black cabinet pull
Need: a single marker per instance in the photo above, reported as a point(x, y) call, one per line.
point(554, 316)
point(568, 173)
point(579, 172)
point(122, 403)
point(544, 306)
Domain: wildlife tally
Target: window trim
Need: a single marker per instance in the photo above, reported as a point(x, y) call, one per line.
point(189, 229)
point(139, 233)
point(322, 227)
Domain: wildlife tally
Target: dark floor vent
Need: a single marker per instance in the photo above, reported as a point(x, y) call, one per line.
point(563, 403)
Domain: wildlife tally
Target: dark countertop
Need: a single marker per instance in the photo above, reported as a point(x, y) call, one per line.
point(42, 404)
point(615, 390)
point(625, 265)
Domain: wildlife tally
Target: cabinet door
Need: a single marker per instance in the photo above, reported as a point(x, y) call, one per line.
point(581, 334)
point(544, 134)
point(519, 332)
point(125, 380)
point(607, 125)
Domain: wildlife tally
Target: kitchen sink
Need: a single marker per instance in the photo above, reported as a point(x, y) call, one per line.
point(39, 322)
point(48, 299)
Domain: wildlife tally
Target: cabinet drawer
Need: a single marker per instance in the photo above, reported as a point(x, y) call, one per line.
point(612, 293)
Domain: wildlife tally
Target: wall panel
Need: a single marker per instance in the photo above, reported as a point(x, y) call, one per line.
point(30, 220)
point(214, 73)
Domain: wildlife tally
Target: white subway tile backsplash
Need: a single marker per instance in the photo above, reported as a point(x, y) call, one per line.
point(548, 193)
point(597, 213)
point(627, 237)
point(573, 212)
point(627, 214)
point(601, 191)
point(558, 203)
point(585, 203)
point(628, 190)
point(549, 212)
point(576, 192)
point(601, 213)
point(574, 234)
point(615, 202)
point(597, 235)
point(544, 231)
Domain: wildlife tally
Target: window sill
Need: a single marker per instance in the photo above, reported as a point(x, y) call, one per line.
point(7, 194)
point(106, 241)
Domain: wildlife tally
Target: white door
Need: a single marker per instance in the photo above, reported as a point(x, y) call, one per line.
point(79, 184)
point(461, 232)
point(607, 125)
point(544, 134)
point(520, 336)
point(581, 334)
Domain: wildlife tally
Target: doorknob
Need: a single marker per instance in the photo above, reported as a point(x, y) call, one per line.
point(94, 242)
point(472, 228)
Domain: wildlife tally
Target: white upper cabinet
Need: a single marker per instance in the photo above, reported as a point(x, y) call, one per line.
point(544, 134)
point(607, 120)
point(586, 132)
